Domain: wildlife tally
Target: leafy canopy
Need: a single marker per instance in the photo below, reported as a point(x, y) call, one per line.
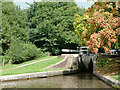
point(99, 27)
point(51, 25)
point(14, 22)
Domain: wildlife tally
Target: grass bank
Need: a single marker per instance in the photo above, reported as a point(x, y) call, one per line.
point(108, 66)
point(117, 77)
point(36, 67)
point(9, 66)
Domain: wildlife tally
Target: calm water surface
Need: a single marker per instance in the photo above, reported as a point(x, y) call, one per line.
point(81, 80)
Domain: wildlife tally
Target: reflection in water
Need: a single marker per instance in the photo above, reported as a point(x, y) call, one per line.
point(81, 80)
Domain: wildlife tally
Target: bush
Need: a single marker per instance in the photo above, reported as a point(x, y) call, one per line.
point(15, 51)
point(1, 50)
point(29, 51)
point(48, 53)
point(40, 53)
point(4, 60)
point(55, 51)
point(20, 52)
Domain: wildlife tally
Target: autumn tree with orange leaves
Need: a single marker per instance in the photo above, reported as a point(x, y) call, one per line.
point(99, 27)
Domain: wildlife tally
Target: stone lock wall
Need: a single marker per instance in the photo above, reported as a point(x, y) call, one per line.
point(89, 58)
point(73, 61)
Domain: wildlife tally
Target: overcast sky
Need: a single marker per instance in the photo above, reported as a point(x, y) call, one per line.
point(80, 3)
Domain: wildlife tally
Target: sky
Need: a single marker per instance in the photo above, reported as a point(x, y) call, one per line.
point(80, 3)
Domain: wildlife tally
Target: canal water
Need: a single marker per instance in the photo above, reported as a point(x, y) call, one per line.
point(80, 80)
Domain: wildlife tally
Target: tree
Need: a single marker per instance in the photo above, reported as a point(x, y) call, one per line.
point(14, 22)
point(100, 27)
point(51, 25)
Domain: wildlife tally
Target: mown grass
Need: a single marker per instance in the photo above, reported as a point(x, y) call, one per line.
point(37, 67)
point(116, 77)
point(109, 67)
point(9, 66)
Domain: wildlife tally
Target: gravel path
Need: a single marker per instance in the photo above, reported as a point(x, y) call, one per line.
point(28, 64)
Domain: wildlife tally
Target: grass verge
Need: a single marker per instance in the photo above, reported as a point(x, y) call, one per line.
point(36, 67)
point(108, 66)
point(8, 66)
point(116, 77)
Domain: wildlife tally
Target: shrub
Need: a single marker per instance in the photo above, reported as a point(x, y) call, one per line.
point(48, 53)
point(4, 60)
point(40, 53)
point(1, 50)
point(29, 51)
point(20, 52)
point(55, 51)
point(14, 52)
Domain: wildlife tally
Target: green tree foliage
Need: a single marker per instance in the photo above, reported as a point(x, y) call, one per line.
point(15, 41)
point(20, 51)
point(14, 22)
point(51, 25)
point(48, 25)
